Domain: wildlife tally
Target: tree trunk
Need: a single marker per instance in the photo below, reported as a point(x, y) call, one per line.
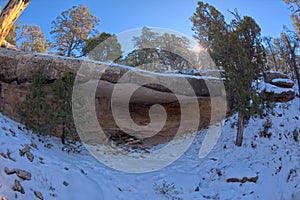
point(63, 136)
point(6, 44)
point(69, 52)
point(9, 15)
point(273, 54)
point(240, 130)
point(295, 67)
point(296, 71)
point(292, 60)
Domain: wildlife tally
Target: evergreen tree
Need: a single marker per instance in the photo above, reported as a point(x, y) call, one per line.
point(145, 54)
point(291, 43)
point(289, 47)
point(12, 35)
point(105, 47)
point(157, 52)
point(71, 29)
point(45, 116)
point(210, 30)
point(35, 111)
point(173, 51)
point(244, 69)
point(62, 99)
point(237, 48)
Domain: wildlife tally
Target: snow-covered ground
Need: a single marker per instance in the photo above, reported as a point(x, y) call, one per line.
point(270, 152)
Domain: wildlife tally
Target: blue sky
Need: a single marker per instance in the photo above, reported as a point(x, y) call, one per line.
point(117, 16)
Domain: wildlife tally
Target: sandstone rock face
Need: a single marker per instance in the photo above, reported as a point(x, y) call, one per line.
point(278, 87)
point(277, 94)
point(19, 66)
point(149, 88)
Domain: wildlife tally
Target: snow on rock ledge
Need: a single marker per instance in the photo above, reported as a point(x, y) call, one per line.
point(277, 94)
point(270, 75)
point(283, 82)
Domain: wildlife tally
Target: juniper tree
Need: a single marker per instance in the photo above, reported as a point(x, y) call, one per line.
point(145, 52)
point(289, 45)
point(157, 52)
point(12, 37)
point(237, 48)
point(62, 100)
point(35, 111)
point(104, 47)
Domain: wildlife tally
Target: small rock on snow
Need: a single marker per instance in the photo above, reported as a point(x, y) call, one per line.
point(38, 195)
point(18, 187)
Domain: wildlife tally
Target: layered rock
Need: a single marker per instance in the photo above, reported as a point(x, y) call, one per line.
point(283, 82)
point(278, 94)
point(17, 68)
point(270, 75)
point(278, 87)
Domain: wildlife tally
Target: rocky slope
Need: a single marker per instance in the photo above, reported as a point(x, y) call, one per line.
point(265, 167)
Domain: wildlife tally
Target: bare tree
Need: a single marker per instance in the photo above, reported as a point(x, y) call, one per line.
point(71, 29)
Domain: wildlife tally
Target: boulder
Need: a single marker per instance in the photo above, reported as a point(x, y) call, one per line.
point(38, 195)
point(18, 187)
point(65, 183)
point(277, 94)
point(29, 156)
point(9, 172)
point(282, 82)
point(25, 150)
point(25, 175)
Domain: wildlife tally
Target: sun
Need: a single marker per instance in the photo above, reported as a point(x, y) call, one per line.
point(197, 48)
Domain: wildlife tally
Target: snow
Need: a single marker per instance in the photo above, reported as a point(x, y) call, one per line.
point(206, 74)
point(134, 69)
point(159, 74)
point(285, 80)
point(275, 160)
point(277, 90)
point(275, 72)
